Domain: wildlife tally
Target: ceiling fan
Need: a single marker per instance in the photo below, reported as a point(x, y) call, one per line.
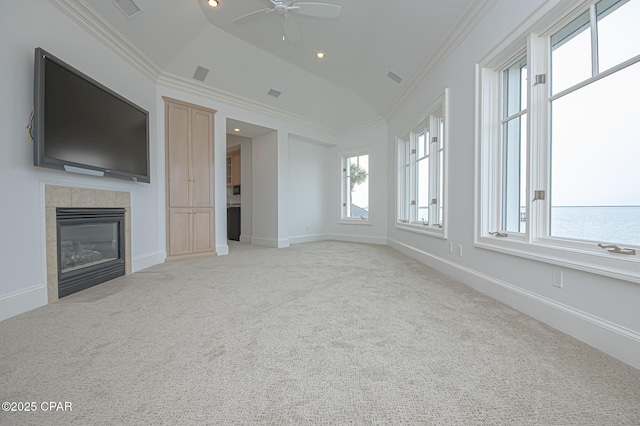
point(285, 7)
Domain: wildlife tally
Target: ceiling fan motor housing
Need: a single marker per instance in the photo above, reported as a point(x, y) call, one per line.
point(281, 6)
point(289, 26)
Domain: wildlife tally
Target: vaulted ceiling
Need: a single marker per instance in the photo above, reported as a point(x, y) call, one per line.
point(349, 87)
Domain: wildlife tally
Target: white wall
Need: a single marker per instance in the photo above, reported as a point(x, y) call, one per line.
point(246, 196)
point(25, 25)
point(264, 186)
point(598, 310)
point(375, 139)
point(307, 190)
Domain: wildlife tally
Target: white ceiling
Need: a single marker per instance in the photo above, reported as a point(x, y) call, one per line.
point(347, 88)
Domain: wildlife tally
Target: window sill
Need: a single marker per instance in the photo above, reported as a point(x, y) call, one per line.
point(355, 222)
point(421, 229)
point(622, 267)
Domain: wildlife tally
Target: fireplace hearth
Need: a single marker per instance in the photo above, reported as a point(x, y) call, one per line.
point(91, 247)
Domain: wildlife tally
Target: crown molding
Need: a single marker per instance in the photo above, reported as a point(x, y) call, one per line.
point(463, 26)
point(363, 126)
point(87, 18)
point(200, 89)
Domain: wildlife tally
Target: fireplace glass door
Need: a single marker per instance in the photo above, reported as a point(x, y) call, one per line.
point(86, 245)
point(90, 247)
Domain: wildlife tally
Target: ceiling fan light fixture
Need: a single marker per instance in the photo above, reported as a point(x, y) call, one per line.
point(213, 3)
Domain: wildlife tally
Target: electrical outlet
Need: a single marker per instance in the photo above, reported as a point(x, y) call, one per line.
point(557, 278)
point(459, 250)
point(450, 247)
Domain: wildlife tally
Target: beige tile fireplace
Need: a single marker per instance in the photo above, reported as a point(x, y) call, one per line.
point(66, 196)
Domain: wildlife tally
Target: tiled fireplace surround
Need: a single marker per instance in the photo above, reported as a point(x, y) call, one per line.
point(66, 196)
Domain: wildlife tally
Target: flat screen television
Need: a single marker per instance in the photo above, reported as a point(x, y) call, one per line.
point(79, 125)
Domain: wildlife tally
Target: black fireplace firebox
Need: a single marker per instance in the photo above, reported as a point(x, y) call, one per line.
point(91, 247)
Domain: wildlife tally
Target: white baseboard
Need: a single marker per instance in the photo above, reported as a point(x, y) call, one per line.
point(265, 242)
point(357, 238)
point(148, 260)
point(610, 338)
point(283, 243)
point(301, 239)
point(18, 302)
point(245, 239)
point(222, 250)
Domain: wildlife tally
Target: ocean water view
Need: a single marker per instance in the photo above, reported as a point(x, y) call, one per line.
point(619, 224)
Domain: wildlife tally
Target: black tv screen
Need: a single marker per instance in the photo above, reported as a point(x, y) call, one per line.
point(80, 125)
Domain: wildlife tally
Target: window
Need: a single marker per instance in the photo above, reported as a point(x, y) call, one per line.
point(421, 173)
point(355, 186)
point(514, 147)
point(557, 149)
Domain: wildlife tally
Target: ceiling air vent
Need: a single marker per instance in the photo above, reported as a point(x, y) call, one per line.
point(128, 7)
point(274, 93)
point(201, 73)
point(395, 77)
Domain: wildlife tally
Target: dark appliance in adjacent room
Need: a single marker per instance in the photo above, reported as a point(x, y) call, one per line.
point(233, 223)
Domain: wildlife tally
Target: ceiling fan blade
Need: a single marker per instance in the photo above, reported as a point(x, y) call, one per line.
point(319, 10)
point(253, 16)
point(291, 31)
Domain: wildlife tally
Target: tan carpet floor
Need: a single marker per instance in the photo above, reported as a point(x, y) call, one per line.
point(319, 333)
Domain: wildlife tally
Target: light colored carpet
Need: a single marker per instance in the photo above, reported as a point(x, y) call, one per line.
point(320, 333)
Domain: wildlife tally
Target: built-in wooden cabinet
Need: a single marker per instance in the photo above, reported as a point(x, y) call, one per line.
point(189, 174)
point(233, 168)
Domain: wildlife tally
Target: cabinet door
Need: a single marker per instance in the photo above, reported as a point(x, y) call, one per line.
point(180, 231)
point(177, 155)
point(201, 158)
point(202, 230)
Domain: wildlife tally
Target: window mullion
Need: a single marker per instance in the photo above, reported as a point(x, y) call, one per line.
point(539, 127)
point(594, 41)
point(399, 180)
point(413, 192)
point(433, 170)
point(345, 188)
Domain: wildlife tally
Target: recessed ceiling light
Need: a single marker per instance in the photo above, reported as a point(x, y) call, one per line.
point(236, 130)
point(213, 3)
point(320, 55)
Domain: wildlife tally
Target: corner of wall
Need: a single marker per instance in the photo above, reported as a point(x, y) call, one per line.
point(18, 302)
point(612, 339)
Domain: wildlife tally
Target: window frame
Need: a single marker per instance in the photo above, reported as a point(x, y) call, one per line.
point(344, 164)
point(407, 180)
point(534, 243)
